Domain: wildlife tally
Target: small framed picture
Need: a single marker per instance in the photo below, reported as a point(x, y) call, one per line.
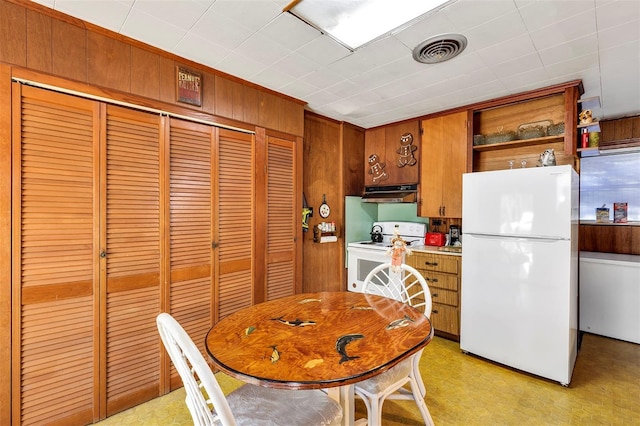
point(188, 86)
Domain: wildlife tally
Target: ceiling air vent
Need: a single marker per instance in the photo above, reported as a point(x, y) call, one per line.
point(439, 48)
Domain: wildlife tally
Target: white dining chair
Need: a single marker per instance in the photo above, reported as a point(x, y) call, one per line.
point(249, 404)
point(408, 286)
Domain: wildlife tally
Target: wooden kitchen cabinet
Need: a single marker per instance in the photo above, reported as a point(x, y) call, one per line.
point(442, 273)
point(500, 117)
point(444, 160)
point(391, 157)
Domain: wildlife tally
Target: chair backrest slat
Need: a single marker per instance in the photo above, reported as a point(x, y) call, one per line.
point(406, 285)
point(195, 374)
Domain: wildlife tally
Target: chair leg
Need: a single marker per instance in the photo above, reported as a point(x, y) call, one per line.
point(422, 406)
point(375, 415)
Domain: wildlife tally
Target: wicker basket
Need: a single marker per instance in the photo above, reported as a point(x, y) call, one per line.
point(537, 129)
point(501, 136)
point(555, 129)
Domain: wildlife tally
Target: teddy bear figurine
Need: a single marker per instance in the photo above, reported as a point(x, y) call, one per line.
point(586, 117)
point(406, 151)
point(376, 168)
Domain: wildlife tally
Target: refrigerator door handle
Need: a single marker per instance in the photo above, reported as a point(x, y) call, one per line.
point(518, 237)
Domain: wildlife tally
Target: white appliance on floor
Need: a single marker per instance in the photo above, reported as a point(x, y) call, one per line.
point(364, 256)
point(519, 302)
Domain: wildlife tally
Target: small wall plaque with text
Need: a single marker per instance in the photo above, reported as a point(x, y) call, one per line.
point(189, 86)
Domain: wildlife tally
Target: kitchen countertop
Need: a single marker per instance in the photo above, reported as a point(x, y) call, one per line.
point(438, 250)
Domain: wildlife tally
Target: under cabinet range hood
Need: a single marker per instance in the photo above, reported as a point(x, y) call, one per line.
point(390, 194)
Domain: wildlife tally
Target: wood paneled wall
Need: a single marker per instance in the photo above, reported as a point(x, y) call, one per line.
point(333, 165)
point(621, 239)
point(42, 39)
point(5, 246)
point(40, 44)
point(619, 133)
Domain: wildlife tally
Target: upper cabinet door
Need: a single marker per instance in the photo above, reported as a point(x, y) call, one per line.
point(444, 141)
point(392, 154)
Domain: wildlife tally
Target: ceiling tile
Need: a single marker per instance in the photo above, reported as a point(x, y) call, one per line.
point(240, 65)
point(322, 97)
point(512, 47)
point(565, 31)
point(615, 13)
point(263, 50)
point(323, 78)
point(464, 14)
point(289, 31)
point(577, 48)
point(180, 13)
point(201, 50)
point(249, 13)
point(425, 28)
point(295, 65)
point(151, 30)
point(300, 89)
point(272, 78)
point(540, 14)
point(524, 81)
point(353, 64)
point(384, 51)
point(323, 50)
point(105, 13)
point(517, 65)
point(222, 30)
point(621, 34)
point(495, 31)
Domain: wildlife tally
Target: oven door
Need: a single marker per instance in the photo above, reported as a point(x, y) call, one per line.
point(360, 262)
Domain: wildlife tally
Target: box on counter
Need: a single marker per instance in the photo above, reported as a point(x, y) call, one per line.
point(602, 214)
point(619, 212)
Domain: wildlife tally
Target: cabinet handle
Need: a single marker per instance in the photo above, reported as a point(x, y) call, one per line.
point(434, 295)
point(433, 280)
point(103, 254)
point(444, 210)
point(431, 263)
point(435, 311)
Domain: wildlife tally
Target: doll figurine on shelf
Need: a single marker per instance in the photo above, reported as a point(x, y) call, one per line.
point(397, 251)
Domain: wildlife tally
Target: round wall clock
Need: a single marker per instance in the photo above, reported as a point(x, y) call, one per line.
point(324, 209)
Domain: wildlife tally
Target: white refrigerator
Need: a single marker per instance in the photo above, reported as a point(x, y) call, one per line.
point(519, 302)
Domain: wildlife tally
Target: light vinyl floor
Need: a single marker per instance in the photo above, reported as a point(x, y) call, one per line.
point(467, 390)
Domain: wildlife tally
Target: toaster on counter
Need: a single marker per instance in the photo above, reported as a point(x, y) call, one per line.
point(435, 239)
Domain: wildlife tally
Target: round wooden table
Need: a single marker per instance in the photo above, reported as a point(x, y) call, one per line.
point(317, 340)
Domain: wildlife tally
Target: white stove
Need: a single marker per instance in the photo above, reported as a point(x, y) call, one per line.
point(363, 256)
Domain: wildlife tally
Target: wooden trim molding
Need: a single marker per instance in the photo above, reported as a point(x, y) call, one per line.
point(5, 245)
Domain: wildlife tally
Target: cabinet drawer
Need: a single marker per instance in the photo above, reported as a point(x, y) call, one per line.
point(447, 297)
point(434, 262)
point(435, 280)
point(445, 318)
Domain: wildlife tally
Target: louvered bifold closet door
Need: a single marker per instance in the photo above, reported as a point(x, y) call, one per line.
point(281, 217)
point(234, 220)
point(190, 290)
point(133, 254)
point(55, 325)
